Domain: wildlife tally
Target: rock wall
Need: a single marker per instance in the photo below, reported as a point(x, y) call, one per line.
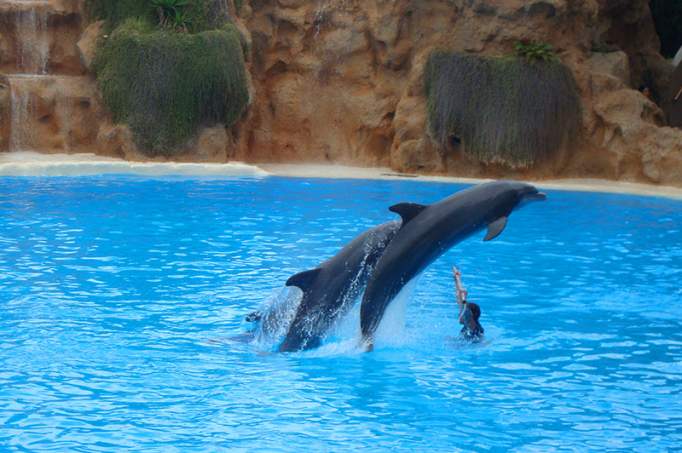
point(342, 81)
point(50, 113)
point(40, 37)
point(47, 102)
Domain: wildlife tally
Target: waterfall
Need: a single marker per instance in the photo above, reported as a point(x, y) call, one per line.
point(43, 110)
point(22, 111)
point(33, 45)
point(32, 59)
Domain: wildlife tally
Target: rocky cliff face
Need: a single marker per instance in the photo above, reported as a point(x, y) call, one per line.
point(47, 102)
point(342, 81)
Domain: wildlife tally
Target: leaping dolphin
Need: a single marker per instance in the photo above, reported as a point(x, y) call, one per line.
point(330, 289)
point(429, 231)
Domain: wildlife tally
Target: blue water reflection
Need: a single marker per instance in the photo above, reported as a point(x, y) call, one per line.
point(119, 295)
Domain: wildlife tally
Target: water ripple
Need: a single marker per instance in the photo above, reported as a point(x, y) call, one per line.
point(119, 298)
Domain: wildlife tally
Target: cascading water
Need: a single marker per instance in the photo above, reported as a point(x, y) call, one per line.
point(32, 60)
point(33, 46)
point(23, 109)
point(20, 115)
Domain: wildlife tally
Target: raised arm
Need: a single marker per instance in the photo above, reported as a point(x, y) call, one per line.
point(459, 288)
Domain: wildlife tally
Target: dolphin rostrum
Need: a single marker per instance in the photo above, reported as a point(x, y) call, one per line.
point(429, 231)
point(330, 289)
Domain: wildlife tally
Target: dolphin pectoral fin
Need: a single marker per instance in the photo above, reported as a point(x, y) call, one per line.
point(495, 228)
point(303, 280)
point(407, 211)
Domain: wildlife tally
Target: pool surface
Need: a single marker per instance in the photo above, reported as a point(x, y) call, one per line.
point(119, 298)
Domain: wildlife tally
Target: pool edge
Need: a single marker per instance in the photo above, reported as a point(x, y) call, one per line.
point(332, 171)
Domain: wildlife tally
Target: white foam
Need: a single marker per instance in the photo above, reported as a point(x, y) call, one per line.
point(346, 337)
point(391, 330)
point(28, 163)
point(278, 312)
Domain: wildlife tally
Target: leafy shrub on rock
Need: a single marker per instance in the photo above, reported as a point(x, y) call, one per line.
point(535, 51)
point(503, 110)
point(165, 85)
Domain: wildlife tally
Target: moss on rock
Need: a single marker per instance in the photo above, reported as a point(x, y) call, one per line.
point(165, 85)
point(503, 110)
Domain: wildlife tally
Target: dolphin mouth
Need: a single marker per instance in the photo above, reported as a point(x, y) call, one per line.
point(538, 196)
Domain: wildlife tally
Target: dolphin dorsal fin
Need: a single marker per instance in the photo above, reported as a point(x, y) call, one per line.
point(303, 280)
point(407, 211)
point(495, 228)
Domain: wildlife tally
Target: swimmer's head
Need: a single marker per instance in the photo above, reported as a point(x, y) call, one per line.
point(254, 317)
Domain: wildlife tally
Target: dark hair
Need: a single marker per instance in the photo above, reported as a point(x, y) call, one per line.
point(475, 310)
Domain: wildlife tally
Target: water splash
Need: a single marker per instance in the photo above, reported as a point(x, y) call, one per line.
point(346, 337)
point(33, 45)
point(278, 313)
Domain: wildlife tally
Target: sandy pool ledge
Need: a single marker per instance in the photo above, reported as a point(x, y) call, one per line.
point(28, 163)
point(571, 184)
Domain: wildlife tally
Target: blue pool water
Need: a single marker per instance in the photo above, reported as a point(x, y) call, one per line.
point(119, 297)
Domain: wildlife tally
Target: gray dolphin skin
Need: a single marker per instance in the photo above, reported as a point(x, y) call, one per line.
point(429, 231)
point(330, 289)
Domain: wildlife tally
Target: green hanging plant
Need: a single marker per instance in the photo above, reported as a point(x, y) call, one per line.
point(170, 13)
point(535, 51)
point(167, 85)
point(501, 110)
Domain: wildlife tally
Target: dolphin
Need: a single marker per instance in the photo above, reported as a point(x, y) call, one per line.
point(429, 231)
point(330, 289)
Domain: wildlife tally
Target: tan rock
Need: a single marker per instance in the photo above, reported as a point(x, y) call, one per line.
point(662, 155)
point(632, 133)
point(116, 141)
point(212, 145)
point(614, 64)
point(54, 113)
point(625, 113)
point(87, 45)
point(40, 37)
point(416, 155)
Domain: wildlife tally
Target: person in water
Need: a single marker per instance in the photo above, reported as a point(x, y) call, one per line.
point(469, 312)
point(255, 316)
